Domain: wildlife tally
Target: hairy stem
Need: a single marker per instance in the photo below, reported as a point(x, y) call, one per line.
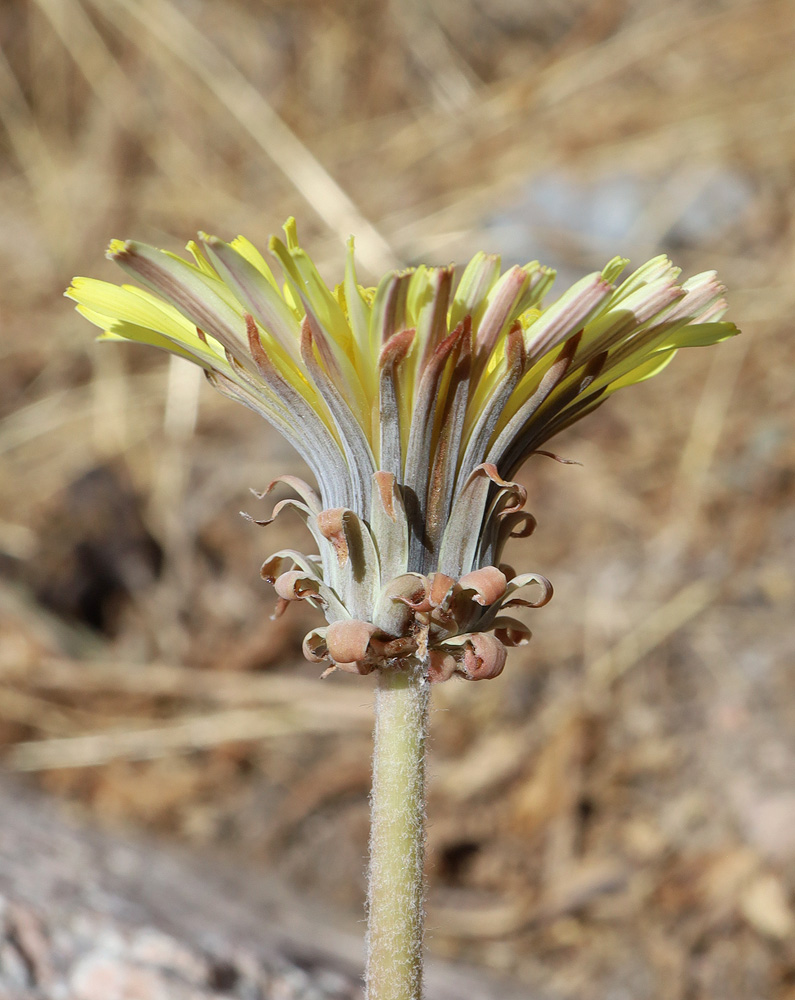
point(397, 836)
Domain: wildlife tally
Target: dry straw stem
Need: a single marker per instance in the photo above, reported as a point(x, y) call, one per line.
point(25, 136)
point(181, 682)
point(653, 630)
point(61, 410)
point(112, 88)
point(453, 82)
point(706, 431)
point(280, 706)
point(566, 100)
point(183, 735)
point(46, 717)
point(248, 106)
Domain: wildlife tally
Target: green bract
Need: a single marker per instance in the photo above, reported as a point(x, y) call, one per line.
point(413, 404)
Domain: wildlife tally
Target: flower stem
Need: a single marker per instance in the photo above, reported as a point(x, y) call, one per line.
point(397, 836)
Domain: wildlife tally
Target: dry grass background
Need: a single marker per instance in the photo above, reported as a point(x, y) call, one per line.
point(614, 817)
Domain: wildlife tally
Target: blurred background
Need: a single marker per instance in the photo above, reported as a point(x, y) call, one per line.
point(615, 816)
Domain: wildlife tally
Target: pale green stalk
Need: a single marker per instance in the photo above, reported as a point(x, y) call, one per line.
point(397, 836)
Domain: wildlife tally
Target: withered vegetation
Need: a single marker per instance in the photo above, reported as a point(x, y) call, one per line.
point(617, 811)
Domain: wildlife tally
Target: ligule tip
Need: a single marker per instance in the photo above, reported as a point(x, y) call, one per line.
point(118, 249)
